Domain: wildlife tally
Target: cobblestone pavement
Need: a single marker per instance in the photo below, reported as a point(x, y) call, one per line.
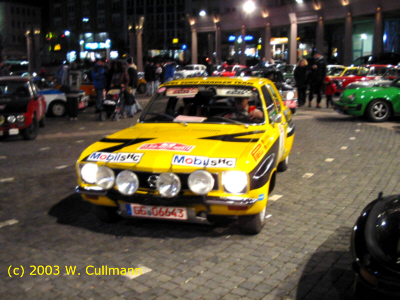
point(338, 164)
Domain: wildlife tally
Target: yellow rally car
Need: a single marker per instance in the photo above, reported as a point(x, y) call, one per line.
point(201, 149)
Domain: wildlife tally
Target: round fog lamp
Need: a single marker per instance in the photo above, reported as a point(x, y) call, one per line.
point(127, 183)
point(168, 184)
point(200, 182)
point(11, 119)
point(88, 173)
point(105, 178)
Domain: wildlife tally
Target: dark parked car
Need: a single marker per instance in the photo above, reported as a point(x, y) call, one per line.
point(22, 108)
point(287, 92)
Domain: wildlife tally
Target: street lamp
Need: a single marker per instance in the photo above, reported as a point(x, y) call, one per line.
point(249, 6)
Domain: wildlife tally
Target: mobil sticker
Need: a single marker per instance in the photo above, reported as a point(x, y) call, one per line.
point(115, 157)
point(202, 161)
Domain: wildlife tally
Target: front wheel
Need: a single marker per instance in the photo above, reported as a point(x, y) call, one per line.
point(31, 132)
point(57, 109)
point(283, 165)
point(378, 111)
point(254, 223)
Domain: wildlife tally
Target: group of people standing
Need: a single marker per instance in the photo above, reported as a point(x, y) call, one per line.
point(311, 75)
point(158, 73)
point(118, 75)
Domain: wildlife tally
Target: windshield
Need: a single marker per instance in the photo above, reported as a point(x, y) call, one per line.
point(204, 104)
point(334, 71)
point(15, 88)
point(191, 68)
point(43, 83)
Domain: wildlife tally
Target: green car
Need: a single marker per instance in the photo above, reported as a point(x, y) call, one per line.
point(378, 104)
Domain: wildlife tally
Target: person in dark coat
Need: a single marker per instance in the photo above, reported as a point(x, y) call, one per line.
point(150, 77)
point(317, 77)
point(301, 79)
point(99, 75)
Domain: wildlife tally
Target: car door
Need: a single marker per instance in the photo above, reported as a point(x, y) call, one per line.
point(40, 106)
point(276, 116)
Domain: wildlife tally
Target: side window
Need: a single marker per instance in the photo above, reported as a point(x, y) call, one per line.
point(268, 101)
point(275, 98)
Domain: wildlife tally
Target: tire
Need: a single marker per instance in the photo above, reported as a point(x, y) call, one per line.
point(283, 165)
point(31, 132)
point(378, 110)
point(254, 223)
point(42, 122)
point(57, 109)
point(107, 214)
point(141, 88)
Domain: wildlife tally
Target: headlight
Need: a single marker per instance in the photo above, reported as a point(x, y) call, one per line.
point(287, 95)
point(127, 183)
point(234, 182)
point(351, 97)
point(168, 184)
point(88, 173)
point(11, 119)
point(105, 177)
point(20, 118)
point(200, 182)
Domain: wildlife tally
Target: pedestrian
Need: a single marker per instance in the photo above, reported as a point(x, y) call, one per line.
point(149, 76)
point(158, 72)
point(330, 90)
point(74, 80)
point(301, 79)
point(120, 80)
point(170, 67)
point(110, 72)
point(99, 74)
point(131, 109)
point(210, 67)
point(162, 76)
point(317, 77)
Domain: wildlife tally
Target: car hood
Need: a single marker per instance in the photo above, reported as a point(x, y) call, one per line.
point(187, 146)
point(13, 104)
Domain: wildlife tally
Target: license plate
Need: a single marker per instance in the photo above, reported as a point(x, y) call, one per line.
point(13, 131)
point(158, 212)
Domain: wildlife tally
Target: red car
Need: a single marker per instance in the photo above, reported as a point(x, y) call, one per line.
point(22, 109)
point(352, 74)
point(229, 70)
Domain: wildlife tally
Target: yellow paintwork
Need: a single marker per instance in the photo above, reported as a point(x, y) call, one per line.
point(249, 146)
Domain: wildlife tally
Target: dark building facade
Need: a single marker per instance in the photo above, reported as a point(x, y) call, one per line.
point(87, 29)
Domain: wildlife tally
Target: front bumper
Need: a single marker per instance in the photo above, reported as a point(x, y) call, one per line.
point(148, 198)
point(348, 109)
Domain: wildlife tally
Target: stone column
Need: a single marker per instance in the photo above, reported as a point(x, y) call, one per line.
point(319, 38)
point(29, 43)
point(131, 42)
point(267, 42)
point(378, 33)
point(211, 46)
point(194, 46)
point(293, 39)
point(218, 46)
point(348, 41)
point(139, 53)
point(243, 47)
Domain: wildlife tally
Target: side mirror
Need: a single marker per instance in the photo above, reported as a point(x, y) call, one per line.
point(276, 119)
